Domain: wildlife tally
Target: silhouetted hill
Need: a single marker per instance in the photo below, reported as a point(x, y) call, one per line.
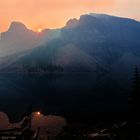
point(18, 41)
point(95, 42)
point(94, 39)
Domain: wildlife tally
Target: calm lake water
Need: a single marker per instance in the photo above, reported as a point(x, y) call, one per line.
point(71, 95)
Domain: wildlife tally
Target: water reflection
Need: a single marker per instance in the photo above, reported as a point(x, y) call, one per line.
point(61, 94)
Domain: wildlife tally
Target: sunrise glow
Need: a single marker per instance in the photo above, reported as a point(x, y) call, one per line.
point(55, 13)
point(39, 30)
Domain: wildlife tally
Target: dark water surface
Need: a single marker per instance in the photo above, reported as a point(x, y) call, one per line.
point(72, 95)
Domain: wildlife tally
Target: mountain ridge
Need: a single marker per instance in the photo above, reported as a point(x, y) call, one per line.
point(101, 37)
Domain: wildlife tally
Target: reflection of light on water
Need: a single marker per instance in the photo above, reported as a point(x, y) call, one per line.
point(38, 113)
point(37, 118)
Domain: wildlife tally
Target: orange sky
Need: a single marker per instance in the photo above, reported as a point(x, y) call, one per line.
point(54, 13)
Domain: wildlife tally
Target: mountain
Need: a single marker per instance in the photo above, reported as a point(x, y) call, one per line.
point(19, 41)
point(95, 42)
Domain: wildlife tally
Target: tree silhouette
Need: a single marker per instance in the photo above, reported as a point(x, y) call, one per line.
point(135, 96)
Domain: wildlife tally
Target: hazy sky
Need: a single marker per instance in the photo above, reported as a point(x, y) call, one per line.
point(54, 13)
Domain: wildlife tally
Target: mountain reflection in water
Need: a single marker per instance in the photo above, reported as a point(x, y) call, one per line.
point(72, 95)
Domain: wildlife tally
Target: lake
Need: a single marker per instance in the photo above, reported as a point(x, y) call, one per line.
point(76, 96)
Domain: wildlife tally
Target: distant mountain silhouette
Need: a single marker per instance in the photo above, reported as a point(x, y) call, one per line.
point(95, 42)
point(19, 40)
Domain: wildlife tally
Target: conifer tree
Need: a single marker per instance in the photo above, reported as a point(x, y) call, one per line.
point(135, 95)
